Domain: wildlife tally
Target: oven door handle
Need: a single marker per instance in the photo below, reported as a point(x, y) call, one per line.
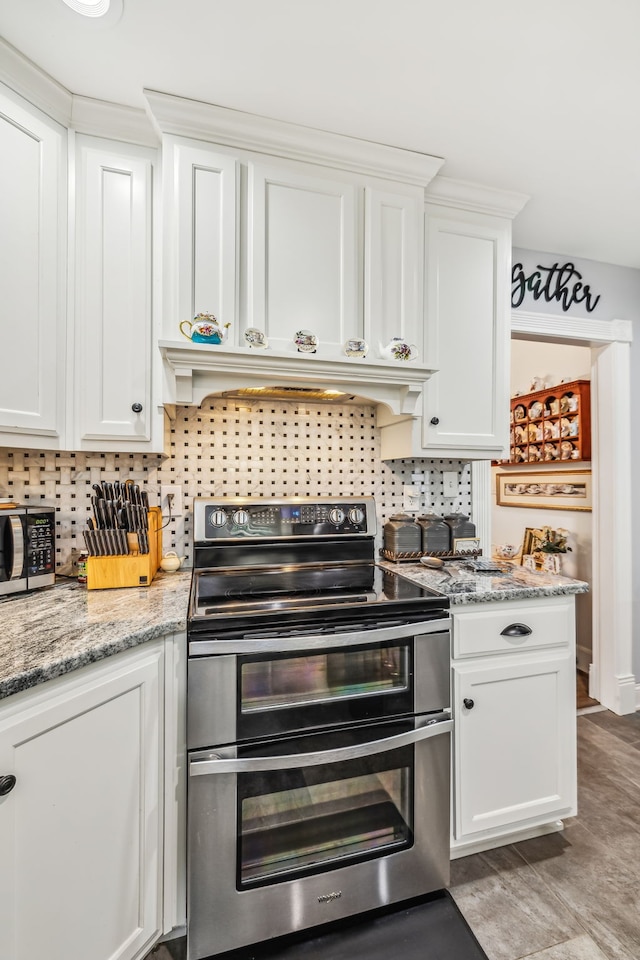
point(218, 763)
point(320, 641)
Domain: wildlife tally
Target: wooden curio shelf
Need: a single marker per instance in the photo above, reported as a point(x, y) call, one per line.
point(551, 425)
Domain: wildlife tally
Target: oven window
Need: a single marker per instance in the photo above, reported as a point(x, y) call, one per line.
point(303, 821)
point(269, 684)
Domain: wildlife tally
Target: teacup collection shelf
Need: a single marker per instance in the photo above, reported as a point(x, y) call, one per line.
point(551, 425)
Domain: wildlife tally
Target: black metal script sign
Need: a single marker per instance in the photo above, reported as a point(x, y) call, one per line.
point(560, 283)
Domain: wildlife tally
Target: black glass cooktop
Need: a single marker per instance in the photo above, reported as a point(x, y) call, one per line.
point(307, 587)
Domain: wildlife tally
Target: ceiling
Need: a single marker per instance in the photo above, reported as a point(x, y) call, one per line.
point(539, 98)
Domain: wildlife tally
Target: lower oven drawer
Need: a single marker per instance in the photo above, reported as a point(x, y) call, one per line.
point(290, 834)
point(350, 678)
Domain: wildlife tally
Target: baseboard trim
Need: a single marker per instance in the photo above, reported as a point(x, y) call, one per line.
point(465, 848)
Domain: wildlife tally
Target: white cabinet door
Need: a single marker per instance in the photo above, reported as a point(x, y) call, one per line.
point(201, 226)
point(393, 280)
point(466, 403)
point(80, 833)
point(515, 741)
point(33, 236)
point(303, 263)
point(114, 350)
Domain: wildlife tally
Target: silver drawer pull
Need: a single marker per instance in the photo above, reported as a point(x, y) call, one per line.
point(516, 630)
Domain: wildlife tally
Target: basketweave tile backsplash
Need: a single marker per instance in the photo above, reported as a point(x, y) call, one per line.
point(237, 448)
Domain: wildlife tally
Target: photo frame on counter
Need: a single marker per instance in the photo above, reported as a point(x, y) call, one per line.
point(552, 490)
point(531, 543)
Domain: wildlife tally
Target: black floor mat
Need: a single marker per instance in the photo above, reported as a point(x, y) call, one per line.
point(433, 929)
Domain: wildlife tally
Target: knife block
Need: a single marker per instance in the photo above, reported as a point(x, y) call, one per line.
point(129, 570)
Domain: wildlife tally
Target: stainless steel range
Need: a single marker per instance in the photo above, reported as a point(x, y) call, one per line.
point(318, 723)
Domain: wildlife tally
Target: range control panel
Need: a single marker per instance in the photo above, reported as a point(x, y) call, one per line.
point(239, 518)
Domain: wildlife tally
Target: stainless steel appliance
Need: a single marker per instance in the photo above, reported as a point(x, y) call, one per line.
point(27, 548)
point(318, 723)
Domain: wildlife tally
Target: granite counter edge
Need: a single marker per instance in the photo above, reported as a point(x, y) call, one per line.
point(91, 654)
point(518, 593)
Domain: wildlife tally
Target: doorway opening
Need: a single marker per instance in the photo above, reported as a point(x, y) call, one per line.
point(611, 678)
point(534, 365)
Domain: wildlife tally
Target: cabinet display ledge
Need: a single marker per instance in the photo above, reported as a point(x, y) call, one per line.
point(196, 371)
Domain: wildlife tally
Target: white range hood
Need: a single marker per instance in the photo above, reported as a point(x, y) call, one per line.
point(199, 370)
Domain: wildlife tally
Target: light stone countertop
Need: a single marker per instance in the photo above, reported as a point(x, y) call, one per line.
point(59, 629)
point(53, 631)
point(463, 586)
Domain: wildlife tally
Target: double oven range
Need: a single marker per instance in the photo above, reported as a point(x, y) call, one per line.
point(318, 723)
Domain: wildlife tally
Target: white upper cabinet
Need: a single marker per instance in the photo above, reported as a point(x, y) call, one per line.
point(282, 228)
point(112, 322)
point(393, 279)
point(467, 334)
point(33, 200)
point(303, 257)
point(201, 214)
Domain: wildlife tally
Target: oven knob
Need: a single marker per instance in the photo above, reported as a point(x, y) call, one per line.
point(218, 518)
point(241, 518)
point(336, 515)
point(356, 515)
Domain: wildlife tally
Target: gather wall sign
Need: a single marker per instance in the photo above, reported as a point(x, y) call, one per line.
point(561, 283)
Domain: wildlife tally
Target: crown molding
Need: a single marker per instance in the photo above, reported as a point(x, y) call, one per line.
point(33, 84)
point(246, 131)
point(464, 195)
point(100, 118)
point(546, 326)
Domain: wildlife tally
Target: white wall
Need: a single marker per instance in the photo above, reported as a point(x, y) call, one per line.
point(554, 363)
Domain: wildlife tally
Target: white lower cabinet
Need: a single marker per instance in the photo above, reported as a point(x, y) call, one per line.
point(81, 831)
point(515, 730)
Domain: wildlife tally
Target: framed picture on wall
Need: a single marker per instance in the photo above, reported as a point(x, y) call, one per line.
point(555, 490)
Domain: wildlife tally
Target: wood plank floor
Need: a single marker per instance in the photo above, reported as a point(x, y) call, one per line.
point(573, 895)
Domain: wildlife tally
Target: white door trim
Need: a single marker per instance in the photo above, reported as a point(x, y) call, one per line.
point(612, 679)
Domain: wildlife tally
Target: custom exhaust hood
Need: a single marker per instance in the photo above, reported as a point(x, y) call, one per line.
point(193, 372)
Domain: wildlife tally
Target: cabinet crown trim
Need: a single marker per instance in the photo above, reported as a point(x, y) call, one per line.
point(464, 195)
point(234, 128)
point(198, 372)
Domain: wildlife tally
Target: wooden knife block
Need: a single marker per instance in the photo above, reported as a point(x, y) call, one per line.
point(131, 570)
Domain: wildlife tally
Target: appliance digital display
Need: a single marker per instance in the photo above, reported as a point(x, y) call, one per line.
point(290, 513)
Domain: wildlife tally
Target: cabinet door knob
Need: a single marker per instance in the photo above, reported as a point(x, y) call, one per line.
point(7, 783)
point(435, 421)
point(516, 630)
point(136, 407)
point(469, 703)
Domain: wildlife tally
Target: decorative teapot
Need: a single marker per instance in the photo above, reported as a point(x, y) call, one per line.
point(205, 329)
point(171, 562)
point(398, 349)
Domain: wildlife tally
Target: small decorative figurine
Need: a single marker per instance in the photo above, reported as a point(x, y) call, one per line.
point(205, 329)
